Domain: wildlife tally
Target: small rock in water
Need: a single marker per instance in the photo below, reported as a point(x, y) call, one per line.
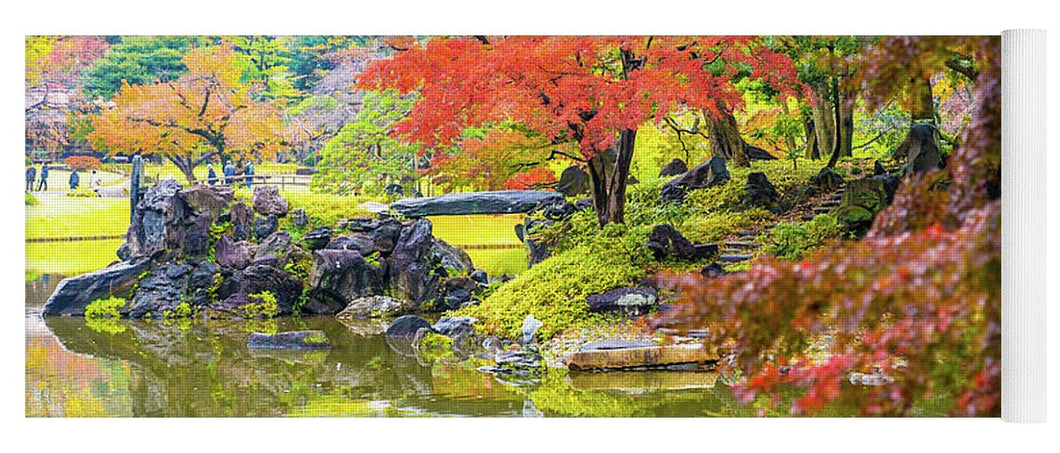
point(455, 326)
point(406, 326)
point(530, 326)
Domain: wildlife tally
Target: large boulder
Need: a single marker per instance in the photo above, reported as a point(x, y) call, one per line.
point(760, 192)
point(73, 294)
point(406, 327)
point(201, 281)
point(235, 292)
point(273, 251)
point(573, 181)
point(161, 291)
point(339, 277)
point(756, 153)
point(869, 193)
point(268, 202)
point(265, 225)
point(361, 242)
point(242, 218)
point(234, 255)
point(666, 242)
point(158, 220)
point(299, 218)
point(317, 238)
point(708, 174)
point(628, 301)
point(922, 146)
point(502, 202)
point(420, 262)
point(674, 168)
point(207, 200)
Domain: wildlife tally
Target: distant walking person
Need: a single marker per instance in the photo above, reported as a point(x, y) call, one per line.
point(211, 176)
point(31, 176)
point(229, 172)
point(43, 185)
point(75, 179)
point(96, 182)
point(248, 173)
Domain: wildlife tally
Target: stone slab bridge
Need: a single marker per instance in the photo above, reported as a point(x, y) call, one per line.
point(468, 203)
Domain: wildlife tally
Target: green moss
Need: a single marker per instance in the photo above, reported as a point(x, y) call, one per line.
point(105, 308)
point(82, 192)
point(299, 266)
point(852, 215)
point(31, 200)
point(316, 338)
point(267, 308)
point(435, 347)
point(793, 241)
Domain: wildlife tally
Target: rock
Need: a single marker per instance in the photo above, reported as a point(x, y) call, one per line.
point(870, 194)
point(234, 293)
point(760, 192)
point(341, 276)
point(210, 201)
point(317, 238)
point(235, 255)
point(73, 294)
point(124, 252)
point(242, 219)
point(890, 184)
point(502, 202)
point(877, 169)
point(520, 232)
point(606, 345)
point(158, 221)
point(394, 190)
point(273, 251)
point(573, 181)
point(643, 357)
point(856, 218)
point(665, 241)
point(303, 339)
point(374, 207)
point(161, 291)
point(299, 218)
point(202, 279)
point(373, 307)
point(628, 301)
point(923, 149)
point(530, 326)
point(268, 202)
point(455, 326)
point(713, 270)
point(479, 276)
point(521, 362)
point(385, 236)
point(407, 326)
point(708, 174)
point(555, 209)
point(264, 226)
point(674, 168)
point(196, 235)
point(360, 242)
point(756, 153)
point(827, 179)
point(362, 224)
point(582, 204)
point(706, 251)
point(420, 261)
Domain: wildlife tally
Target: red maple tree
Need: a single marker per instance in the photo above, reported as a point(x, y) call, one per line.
point(586, 95)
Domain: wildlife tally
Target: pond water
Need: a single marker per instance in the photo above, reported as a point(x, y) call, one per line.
point(204, 369)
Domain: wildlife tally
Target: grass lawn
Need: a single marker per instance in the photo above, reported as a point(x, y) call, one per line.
point(499, 262)
point(61, 216)
point(70, 258)
point(477, 229)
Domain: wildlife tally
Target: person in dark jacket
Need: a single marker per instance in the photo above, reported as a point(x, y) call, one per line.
point(248, 173)
point(230, 172)
point(31, 176)
point(211, 176)
point(43, 184)
point(75, 179)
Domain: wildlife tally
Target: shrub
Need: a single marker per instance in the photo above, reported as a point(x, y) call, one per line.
point(84, 192)
point(31, 200)
point(104, 308)
point(267, 308)
point(554, 290)
point(793, 241)
point(83, 163)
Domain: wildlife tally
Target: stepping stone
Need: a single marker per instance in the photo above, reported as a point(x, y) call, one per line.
point(740, 244)
point(747, 234)
point(733, 258)
point(655, 356)
point(807, 218)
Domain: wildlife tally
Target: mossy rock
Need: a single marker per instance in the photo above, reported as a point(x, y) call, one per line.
point(854, 217)
point(870, 194)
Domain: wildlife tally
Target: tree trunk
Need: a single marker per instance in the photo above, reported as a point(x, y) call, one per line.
point(824, 123)
point(846, 124)
point(812, 151)
point(185, 167)
point(609, 179)
point(789, 140)
point(725, 140)
point(923, 108)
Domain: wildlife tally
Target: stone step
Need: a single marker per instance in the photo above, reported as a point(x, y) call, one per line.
point(747, 234)
point(733, 258)
point(807, 218)
point(741, 244)
point(831, 203)
point(656, 356)
point(822, 209)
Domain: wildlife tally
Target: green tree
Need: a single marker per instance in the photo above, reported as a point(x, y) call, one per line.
point(138, 60)
point(363, 156)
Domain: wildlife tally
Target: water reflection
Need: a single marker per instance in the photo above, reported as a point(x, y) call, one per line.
point(203, 368)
